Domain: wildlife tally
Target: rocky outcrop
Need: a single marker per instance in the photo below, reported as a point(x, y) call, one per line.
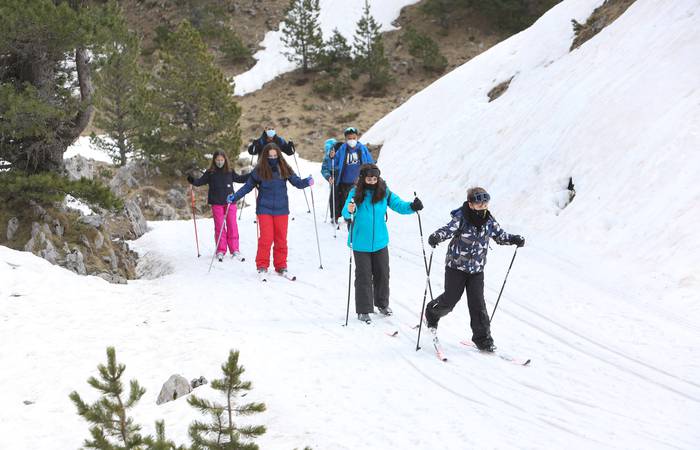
point(79, 167)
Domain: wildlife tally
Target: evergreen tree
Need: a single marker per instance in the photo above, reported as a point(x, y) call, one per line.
point(303, 33)
point(222, 433)
point(112, 428)
point(191, 110)
point(423, 47)
point(45, 77)
point(119, 97)
point(160, 442)
point(336, 51)
point(368, 49)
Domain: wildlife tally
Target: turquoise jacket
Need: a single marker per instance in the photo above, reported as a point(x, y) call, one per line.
point(369, 232)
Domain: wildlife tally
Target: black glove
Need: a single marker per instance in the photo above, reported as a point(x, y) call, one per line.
point(190, 179)
point(433, 240)
point(517, 240)
point(417, 205)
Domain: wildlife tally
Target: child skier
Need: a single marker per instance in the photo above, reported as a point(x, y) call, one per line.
point(269, 135)
point(270, 176)
point(220, 178)
point(368, 238)
point(469, 230)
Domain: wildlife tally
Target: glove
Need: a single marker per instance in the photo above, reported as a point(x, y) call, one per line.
point(517, 240)
point(433, 240)
point(230, 197)
point(310, 180)
point(291, 145)
point(417, 205)
point(190, 179)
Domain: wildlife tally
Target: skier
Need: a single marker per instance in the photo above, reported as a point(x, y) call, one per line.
point(350, 155)
point(270, 176)
point(269, 135)
point(329, 168)
point(368, 238)
point(220, 178)
point(469, 229)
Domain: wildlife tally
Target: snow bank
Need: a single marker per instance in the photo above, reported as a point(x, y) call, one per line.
point(340, 14)
point(84, 147)
point(621, 115)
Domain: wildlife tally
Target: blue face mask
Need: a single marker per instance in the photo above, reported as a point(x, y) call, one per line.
point(273, 162)
point(270, 133)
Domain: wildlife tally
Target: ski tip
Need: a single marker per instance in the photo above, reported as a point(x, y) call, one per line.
point(527, 363)
point(393, 334)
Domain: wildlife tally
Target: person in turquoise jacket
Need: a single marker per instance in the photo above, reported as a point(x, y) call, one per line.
point(366, 207)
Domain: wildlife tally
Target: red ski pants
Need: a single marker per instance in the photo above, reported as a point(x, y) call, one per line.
point(273, 229)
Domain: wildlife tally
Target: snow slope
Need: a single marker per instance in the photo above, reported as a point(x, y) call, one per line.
point(614, 344)
point(340, 14)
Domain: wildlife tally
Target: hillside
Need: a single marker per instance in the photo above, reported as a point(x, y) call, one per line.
point(602, 298)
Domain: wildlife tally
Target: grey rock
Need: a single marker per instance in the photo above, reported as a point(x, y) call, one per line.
point(49, 252)
point(124, 179)
point(85, 241)
point(12, 227)
point(174, 388)
point(165, 212)
point(92, 220)
point(113, 260)
point(176, 198)
point(136, 219)
point(112, 278)
point(197, 382)
point(79, 167)
point(99, 240)
point(57, 228)
point(74, 261)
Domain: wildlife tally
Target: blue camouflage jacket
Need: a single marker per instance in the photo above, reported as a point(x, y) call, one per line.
point(469, 244)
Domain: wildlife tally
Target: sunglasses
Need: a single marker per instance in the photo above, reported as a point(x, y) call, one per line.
point(349, 130)
point(480, 197)
point(372, 173)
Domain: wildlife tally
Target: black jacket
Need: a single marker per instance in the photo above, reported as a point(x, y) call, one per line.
point(220, 184)
point(255, 148)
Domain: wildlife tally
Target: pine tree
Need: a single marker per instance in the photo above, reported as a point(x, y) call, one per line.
point(112, 428)
point(191, 109)
point(368, 49)
point(222, 433)
point(160, 442)
point(302, 33)
point(45, 78)
point(336, 51)
point(119, 97)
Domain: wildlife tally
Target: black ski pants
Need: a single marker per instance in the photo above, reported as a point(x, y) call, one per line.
point(341, 195)
point(371, 280)
point(456, 282)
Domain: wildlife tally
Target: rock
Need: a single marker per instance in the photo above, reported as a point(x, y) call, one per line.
point(79, 167)
point(12, 227)
point(176, 198)
point(57, 228)
point(164, 212)
point(49, 252)
point(112, 260)
point(136, 219)
point(40, 245)
point(124, 179)
point(197, 382)
point(74, 261)
point(92, 220)
point(99, 240)
point(174, 388)
point(150, 267)
point(112, 278)
point(85, 241)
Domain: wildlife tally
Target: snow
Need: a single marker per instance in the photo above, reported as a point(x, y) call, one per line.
point(340, 14)
point(76, 204)
point(84, 147)
point(603, 297)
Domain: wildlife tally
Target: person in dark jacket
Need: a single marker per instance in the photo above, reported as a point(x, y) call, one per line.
point(369, 239)
point(270, 176)
point(329, 168)
point(220, 178)
point(269, 135)
point(469, 231)
point(349, 156)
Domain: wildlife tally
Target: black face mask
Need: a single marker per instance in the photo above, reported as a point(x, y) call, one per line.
point(477, 218)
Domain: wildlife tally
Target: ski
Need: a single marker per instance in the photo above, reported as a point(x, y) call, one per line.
point(503, 356)
point(287, 275)
point(437, 346)
point(392, 334)
point(238, 257)
point(262, 277)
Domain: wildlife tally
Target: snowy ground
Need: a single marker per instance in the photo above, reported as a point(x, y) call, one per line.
point(603, 298)
point(340, 14)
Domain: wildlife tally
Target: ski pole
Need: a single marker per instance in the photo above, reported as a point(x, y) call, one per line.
point(318, 245)
point(352, 224)
point(427, 274)
point(425, 294)
point(325, 218)
point(223, 225)
point(335, 229)
point(303, 190)
point(504, 284)
point(194, 219)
